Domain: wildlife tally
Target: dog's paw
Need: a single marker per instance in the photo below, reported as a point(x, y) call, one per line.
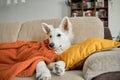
point(45, 75)
point(59, 68)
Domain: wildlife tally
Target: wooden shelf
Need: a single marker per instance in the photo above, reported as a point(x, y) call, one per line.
point(90, 8)
point(105, 17)
point(77, 9)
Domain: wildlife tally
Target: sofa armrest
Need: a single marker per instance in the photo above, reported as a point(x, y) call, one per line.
point(101, 62)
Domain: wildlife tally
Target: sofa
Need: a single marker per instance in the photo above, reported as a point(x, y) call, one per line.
point(83, 28)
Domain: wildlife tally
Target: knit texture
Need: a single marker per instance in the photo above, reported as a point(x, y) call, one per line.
point(20, 58)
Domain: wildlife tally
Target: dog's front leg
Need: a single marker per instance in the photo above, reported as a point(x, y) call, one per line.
point(42, 72)
point(57, 68)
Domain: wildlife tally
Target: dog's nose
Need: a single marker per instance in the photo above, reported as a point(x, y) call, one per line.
point(51, 45)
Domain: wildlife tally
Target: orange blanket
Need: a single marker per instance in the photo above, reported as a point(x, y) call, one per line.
point(20, 58)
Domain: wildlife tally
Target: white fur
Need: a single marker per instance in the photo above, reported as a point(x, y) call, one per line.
point(61, 40)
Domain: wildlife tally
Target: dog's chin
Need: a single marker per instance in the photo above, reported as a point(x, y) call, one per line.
point(59, 50)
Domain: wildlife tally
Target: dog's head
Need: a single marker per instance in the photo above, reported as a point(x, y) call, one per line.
point(59, 38)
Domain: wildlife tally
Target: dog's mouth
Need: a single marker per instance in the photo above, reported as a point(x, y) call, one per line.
point(55, 48)
point(59, 50)
point(51, 47)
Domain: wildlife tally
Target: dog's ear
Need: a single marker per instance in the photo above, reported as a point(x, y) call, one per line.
point(66, 27)
point(46, 28)
point(65, 24)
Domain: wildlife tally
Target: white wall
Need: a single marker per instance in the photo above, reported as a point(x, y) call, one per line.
point(32, 10)
point(114, 17)
point(43, 9)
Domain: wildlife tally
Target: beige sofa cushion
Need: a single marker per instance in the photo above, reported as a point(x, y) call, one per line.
point(9, 32)
point(102, 62)
point(86, 27)
point(69, 75)
point(32, 30)
point(83, 28)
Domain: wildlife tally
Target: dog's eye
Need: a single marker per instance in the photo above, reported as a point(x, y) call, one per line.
point(58, 35)
point(50, 36)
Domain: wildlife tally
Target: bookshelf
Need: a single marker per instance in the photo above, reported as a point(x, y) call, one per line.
point(98, 8)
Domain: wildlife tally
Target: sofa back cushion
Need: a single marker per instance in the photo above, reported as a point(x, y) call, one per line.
point(83, 28)
point(86, 27)
point(32, 30)
point(9, 32)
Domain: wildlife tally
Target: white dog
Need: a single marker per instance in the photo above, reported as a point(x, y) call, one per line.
point(59, 40)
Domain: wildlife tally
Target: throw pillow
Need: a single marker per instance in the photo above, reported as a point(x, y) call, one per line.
point(76, 55)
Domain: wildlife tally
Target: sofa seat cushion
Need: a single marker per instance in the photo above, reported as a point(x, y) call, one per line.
point(69, 75)
point(102, 62)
